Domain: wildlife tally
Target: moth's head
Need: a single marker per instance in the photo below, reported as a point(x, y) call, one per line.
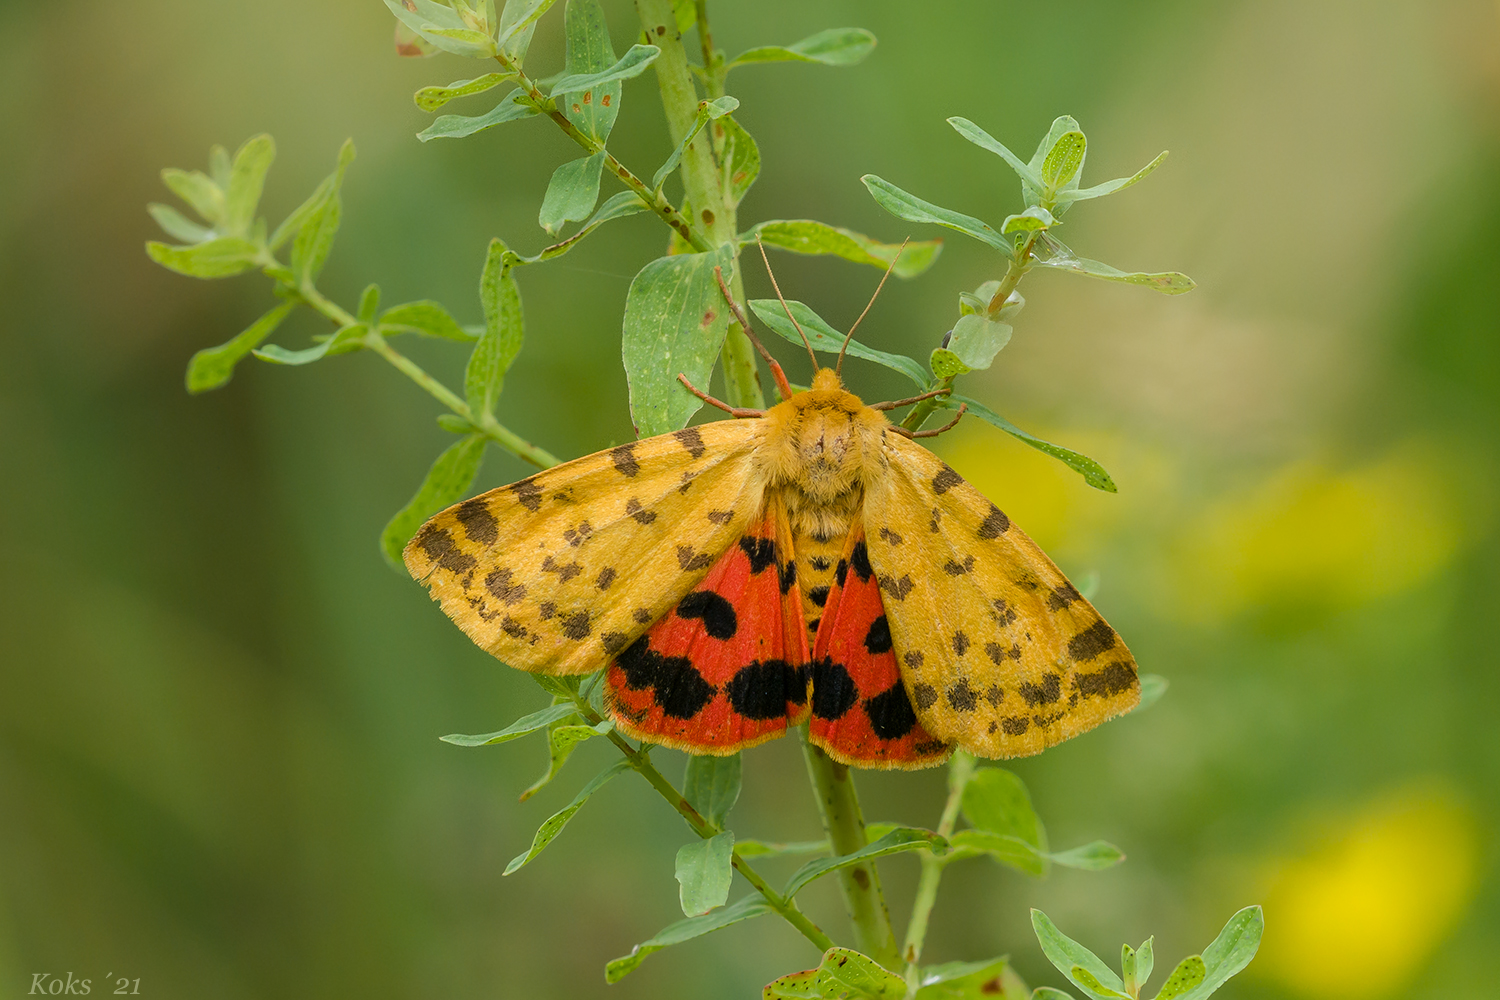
point(826, 380)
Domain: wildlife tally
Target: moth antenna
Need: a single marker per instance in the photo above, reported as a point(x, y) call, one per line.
point(839, 368)
point(784, 307)
point(782, 385)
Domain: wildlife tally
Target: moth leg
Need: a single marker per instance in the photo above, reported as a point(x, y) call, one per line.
point(962, 408)
point(733, 411)
point(893, 404)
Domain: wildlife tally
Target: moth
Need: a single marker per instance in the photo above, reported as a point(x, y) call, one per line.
point(810, 562)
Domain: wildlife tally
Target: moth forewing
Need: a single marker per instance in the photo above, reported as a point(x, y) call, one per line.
point(998, 650)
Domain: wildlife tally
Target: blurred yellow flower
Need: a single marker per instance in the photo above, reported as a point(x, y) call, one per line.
point(1359, 916)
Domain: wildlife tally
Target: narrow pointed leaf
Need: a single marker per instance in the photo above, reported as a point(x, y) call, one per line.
point(341, 342)
point(554, 824)
point(1061, 126)
point(369, 304)
point(617, 207)
point(1048, 993)
point(589, 51)
point(675, 321)
point(771, 849)
point(247, 178)
point(1091, 857)
point(523, 726)
point(504, 330)
point(1166, 282)
point(1092, 472)
point(572, 193)
point(1231, 951)
point(177, 225)
point(562, 740)
point(431, 98)
point(1110, 187)
point(213, 366)
point(1153, 686)
point(632, 64)
point(844, 974)
point(218, 258)
point(996, 800)
point(984, 140)
point(1008, 850)
point(314, 239)
point(1064, 159)
point(446, 482)
point(517, 24)
point(198, 190)
point(807, 236)
point(1090, 982)
point(704, 871)
point(711, 785)
point(441, 26)
point(707, 112)
point(740, 157)
point(834, 47)
point(900, 839)
point(1184, 979)
point(747, 908)
point(908, 206)
point(828, 340)
point(425, 317)
point(991, 980)
point(1145, 960)
point(511, 108)
point(1065, 953)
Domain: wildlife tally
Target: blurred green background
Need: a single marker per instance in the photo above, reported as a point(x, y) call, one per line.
point(219, 765)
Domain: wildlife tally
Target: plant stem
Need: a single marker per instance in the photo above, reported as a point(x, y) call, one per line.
point(1016, 268)
point(959, 773)
point(641, 761)
point(702, 189)
point(485, 424)
point(845, 824)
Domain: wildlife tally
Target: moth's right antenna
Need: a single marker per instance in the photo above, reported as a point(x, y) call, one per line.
point(839, 368)
point(785, 308)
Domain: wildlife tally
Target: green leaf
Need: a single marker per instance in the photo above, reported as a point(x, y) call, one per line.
point(1166, 282)
point(426, 317)
point(740, 159)
point(1153, 686)
point(463, 41)
point(1091, 983)
point(213, 366)
point(247, 177)
point(616, 207)
point(1065, 198)
point(572, 192)
point(521, 727)
point(447, 481)
point(1048, 993)
point(675, 321)
point(562, 740)
point(633, 63)
point(1029, 220)
point(988, 980)
point(711, 785)
point(592, 110)
point(1145, 959)
point(429, 99)
point(751, 906)
point(1065, 953)
point(685, 12)
point(511, 108)
point(1007, 850)
point(807, 236)
point(828, 340)
point(554, 824)
point(997, 801)
point(772, 849)
point(984, 140)
point(1061, 126)
point(369, 304)
point(504, 329)
point(314, 238)
point(844, 974)
point(976, 340)
point(913, 209)
point(1092, 472)
point(904, 838)
point(1092, 857)
point(517, 22)
point(704, 871)
point(1064, 159)
point(1189, 974)
point(945, 364)
point(707, 112)
point(198, 190)
point(834, 47)
point(1231, 951)
point(177, 225)
point(341, 342)
point(441, 26)
point(219, 165)
point(219, 258)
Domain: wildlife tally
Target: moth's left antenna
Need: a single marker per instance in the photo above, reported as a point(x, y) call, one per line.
point(839, 368)
point(782, 385)
point(784, 307)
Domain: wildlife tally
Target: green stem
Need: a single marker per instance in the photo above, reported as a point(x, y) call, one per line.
point(959, 773)
point(701, 185)
point(641, 761)
point(1016, 268)
point(845, 824)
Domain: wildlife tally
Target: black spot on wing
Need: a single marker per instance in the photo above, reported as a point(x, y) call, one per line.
point(912, 658)
point(819, 563)
point(1047, 692)
point(1112, 679)
point(818, 595)
point(720, 517)
point(478, 522)
point(833, 691)
point(1015, 725)
point(925, 694)
point(1063, 596)
point(891, 714)
point(945, 480)
point(690, 561)
point(643, 616)
point(691, 439)
point(897, 588)
point(788, 576)
point(546, 610)
point(613, 642)
point(624, 459)
point(576, 626)
point(761, 691)
point(960, 643)
point(578, 534)
point(499, 583)
point(564, 571)
point(878, 638)
point(606, 577)
point(859, 561)
point(760, 551)
point(1092, 641)
point(890, 536)
point(718, 615)
point(642, 515)
point(528, 493)
point(955, 568)
point(962, 697)
point(994, 524)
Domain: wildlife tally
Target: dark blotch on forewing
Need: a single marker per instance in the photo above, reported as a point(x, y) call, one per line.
point(691, 439)
point(1113, 679)
point(479, 523)
point(624, 459)
point(1092, 641)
